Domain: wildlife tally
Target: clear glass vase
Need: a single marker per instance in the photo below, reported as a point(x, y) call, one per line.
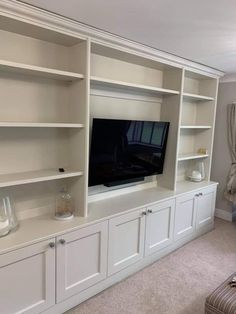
point(64, 206)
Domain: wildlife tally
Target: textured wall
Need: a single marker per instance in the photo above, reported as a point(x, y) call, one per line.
point(221, 156)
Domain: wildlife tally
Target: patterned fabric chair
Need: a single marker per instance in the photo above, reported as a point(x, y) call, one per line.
point(223, 299)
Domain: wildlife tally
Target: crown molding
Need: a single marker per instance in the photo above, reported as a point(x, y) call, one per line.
point(228, 78)
point(32, 15)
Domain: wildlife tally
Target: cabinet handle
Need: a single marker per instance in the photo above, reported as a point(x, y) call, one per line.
point(51, 245)
point(62, 241)
point(150, 211)
point(197, 195)
point(200, 194)
point(144, 213)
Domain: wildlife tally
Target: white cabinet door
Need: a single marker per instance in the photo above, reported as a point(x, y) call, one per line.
point(205, 206)
point(27, 279)
point(126, 240)
point(159, 226)
point(81, 259)
point(185, 215)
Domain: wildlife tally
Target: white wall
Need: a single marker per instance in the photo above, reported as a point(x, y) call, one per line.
point(221, 156)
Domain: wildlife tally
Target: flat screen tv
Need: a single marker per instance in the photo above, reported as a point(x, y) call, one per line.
point(124, 151)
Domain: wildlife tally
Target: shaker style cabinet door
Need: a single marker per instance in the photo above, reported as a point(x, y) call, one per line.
point(185, 215)
point(81, 259)
point(159, 226)
point(126, 240)
point(27, 279)
point(205, 206)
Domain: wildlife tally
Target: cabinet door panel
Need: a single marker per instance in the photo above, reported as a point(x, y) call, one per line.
point(126, 241)
point(27, 278)
point(206, 207)
point(81, 260)
point(159, 226)
point(185, 215)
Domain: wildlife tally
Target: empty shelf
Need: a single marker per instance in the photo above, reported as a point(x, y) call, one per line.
point(39, 125)
point(131, 86)
point(195, 127)
point(191, 156)
point(196, 97)
point(27, 69)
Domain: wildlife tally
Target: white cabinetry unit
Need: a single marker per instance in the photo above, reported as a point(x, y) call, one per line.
point(81, 259)
point(27, 279)
point(205, 207)
point(185, 215)
point(126, 240)
point(159, 226)
point(61, 75)
point(194, 210)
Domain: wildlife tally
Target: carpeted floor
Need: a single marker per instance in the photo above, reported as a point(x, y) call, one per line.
point(177, 283)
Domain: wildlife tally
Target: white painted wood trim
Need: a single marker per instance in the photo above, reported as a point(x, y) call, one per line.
point(224, 214)
point(36, 16)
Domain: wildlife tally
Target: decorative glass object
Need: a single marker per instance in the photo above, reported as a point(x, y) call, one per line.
point(8, 220)
point(10, 208)
point(64, 206)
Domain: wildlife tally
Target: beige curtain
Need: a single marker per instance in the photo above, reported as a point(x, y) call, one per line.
point(230, 192)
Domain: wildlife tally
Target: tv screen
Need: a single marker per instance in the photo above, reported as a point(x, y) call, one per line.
point(124, 151)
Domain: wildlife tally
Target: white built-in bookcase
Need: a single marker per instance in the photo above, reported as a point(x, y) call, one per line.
point(53, 83)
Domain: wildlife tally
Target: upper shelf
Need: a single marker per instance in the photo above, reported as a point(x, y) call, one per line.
point(40, 125)
point(131, 86)
point(21, 68)
point(196, 97)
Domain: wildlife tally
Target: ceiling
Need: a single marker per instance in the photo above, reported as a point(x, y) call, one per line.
point(202, 31)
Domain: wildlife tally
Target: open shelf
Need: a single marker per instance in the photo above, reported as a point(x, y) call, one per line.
point(40, 125)
point(195, 97)
point(20, 178)
point(98, 81)
point(190, 156)
point(26, 69)
point(195, 127)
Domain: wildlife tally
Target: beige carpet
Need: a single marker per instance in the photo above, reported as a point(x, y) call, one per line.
point(176, 284)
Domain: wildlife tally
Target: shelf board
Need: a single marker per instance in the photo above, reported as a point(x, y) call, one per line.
point(195, 127)
point(39, 125)
point(195, 97)
point(20, 178)
point(21, 68)
point(131, 86)
point(190, 156)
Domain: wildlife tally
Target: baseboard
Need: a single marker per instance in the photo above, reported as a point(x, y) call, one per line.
point(224, 214)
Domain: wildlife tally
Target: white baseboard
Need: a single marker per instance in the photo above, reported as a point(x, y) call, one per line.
point(224, 214)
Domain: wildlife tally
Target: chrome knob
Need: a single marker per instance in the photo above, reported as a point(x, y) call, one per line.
point(62, 241)
point(200, 194)
point(149, 211)
point(196, 195)
point(52, 245)
point(144, 213)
